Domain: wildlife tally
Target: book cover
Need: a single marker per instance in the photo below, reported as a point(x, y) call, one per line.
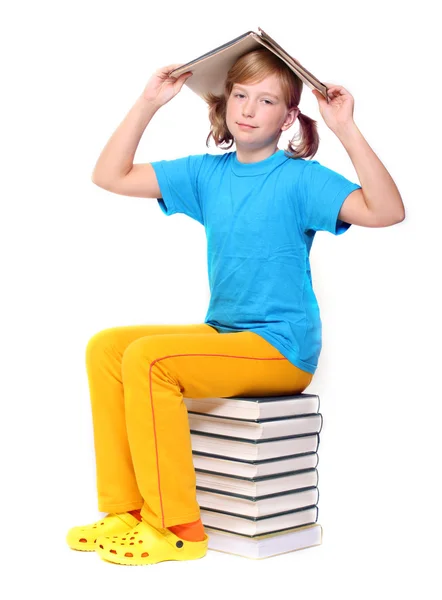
point(256, 487)
point(267, 544)
point(252, 526)
point(253, 468)
point(229, 447)
point(209, 71)
point(255, 430)
point(257, 506)
point(256, 407)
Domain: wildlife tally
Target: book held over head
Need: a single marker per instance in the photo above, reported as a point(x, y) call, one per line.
point(209, 71)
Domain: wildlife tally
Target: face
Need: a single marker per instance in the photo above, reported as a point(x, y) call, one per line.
point(261, 106)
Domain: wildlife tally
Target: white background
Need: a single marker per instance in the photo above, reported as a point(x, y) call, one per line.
point(77, 259)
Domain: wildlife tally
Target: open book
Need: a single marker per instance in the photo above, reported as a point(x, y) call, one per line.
point(209, 71)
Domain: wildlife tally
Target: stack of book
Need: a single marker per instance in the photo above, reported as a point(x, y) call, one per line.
point(256, 461)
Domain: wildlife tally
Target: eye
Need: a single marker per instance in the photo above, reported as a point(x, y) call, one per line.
point(242, 95)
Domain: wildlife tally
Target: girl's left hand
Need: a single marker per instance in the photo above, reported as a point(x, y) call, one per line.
point(338, 112)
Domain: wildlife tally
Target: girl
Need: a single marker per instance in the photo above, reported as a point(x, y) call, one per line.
point(261, 207)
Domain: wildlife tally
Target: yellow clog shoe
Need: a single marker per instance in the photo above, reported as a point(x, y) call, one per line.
point(84, 538)
point(147, 545)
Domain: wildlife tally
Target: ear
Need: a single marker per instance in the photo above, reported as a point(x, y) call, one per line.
point(292, 115)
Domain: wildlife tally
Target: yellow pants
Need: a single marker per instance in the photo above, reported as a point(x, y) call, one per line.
point(138, 376)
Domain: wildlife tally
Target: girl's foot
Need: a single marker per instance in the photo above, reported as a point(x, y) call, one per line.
point(84, 537)
point(144, 544)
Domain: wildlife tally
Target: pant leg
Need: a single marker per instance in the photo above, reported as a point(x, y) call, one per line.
point(117, 486)
point(158, 371)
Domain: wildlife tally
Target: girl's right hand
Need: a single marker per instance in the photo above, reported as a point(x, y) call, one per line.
point(161, 88)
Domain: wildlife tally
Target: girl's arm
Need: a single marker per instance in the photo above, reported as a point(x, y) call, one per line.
point(379, 193)
point(116, 159)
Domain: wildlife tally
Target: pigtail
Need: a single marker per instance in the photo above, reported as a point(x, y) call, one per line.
point(217, 117)
point(307, 136)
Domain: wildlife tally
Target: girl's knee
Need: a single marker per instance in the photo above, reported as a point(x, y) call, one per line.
point(99, 342)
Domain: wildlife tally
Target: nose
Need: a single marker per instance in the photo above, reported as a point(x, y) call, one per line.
point(247, 109)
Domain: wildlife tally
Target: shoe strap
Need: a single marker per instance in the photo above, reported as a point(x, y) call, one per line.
point(128, 519)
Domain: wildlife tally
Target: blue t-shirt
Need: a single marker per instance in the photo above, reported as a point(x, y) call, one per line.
point(260, 220)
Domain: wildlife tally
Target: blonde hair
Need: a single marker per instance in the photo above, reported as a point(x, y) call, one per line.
point(253, 67)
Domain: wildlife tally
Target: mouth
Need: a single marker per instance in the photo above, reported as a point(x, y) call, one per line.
point(246, 126)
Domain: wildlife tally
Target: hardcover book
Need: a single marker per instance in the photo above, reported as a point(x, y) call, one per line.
point(209, 71)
